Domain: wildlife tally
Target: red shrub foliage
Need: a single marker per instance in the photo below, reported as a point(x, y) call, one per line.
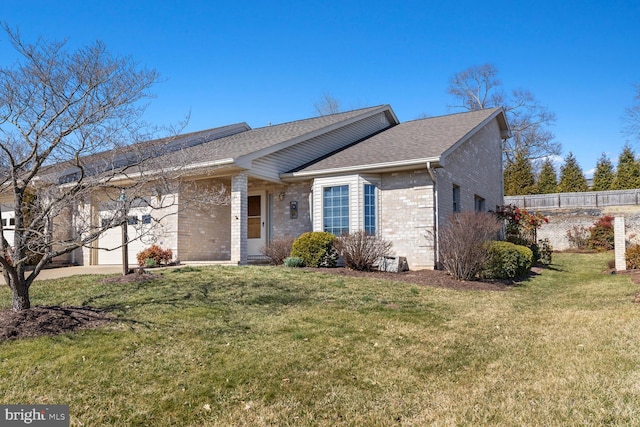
point(153, 256)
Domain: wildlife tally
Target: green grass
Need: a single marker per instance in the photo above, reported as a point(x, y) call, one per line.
point(220, 346)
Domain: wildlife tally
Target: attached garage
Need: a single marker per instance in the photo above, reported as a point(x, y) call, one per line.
point(139, 224)
point(8, 223)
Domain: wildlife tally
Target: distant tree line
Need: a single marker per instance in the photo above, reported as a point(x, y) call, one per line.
point(520, 177)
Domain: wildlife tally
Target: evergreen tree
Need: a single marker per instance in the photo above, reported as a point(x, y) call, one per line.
point(518, 176)
point(628, 172)
point(604, 175)
point(572, 178)
point(547, 179)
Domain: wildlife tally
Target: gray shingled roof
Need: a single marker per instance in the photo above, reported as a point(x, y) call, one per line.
point(246, 143)
point(419, 139)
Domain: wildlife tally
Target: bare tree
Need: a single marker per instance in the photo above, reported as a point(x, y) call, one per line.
point(463, 243)
point(632, 116)
point(67, 121)
point(479, 87)
point(328, 104)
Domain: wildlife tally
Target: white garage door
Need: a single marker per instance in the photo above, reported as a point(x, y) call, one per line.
point(139, 223)
point(8, 223)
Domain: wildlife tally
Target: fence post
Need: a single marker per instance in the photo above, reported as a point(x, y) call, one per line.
point(619, 243)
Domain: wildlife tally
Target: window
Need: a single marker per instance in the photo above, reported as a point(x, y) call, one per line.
point(336, 209)
point(254, 217)
point(146, 219)
point(12, 221)
point(456, 198)
point(72, 177)
point(132, 220)
point(479, 203)
point(370, 208)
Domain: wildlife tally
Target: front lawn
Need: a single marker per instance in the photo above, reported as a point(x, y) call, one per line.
point(221, 346)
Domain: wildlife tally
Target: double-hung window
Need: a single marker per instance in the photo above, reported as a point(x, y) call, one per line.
point(335, 201)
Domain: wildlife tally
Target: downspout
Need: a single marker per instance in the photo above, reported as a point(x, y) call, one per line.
point(432, 174)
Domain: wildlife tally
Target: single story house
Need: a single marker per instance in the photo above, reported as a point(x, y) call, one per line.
point(356, 170)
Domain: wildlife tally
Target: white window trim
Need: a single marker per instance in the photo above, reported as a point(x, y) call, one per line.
point(356, 185)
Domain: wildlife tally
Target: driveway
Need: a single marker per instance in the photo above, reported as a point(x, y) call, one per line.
point(56, 273)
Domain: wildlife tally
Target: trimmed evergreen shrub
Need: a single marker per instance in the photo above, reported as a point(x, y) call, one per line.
point(507, 261)
point(316, 249)
point(293, 261)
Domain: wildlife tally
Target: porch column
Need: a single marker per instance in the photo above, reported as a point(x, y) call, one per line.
point(239, 219)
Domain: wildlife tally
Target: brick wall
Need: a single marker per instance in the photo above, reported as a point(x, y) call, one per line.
point(407, 216)
point(204, 230)
point(476, 167)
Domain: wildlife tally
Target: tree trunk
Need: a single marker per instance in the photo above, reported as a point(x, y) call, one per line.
point(21, 299)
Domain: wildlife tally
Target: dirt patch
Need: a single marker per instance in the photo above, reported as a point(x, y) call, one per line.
point(52, 320)
point(433, 278)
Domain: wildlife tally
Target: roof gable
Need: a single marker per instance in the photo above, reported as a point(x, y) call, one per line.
point(244, 147)
point(406, 144)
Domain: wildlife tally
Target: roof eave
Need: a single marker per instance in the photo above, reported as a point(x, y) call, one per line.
point(372, 168)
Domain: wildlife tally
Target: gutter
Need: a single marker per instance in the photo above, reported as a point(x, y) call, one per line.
point(371, 168)
point(436, 226)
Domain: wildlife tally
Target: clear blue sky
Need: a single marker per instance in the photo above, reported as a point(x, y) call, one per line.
point(261, 62)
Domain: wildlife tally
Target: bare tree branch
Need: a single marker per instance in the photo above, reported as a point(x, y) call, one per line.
point(68, 124)
point(328, 104)
point(478, 87)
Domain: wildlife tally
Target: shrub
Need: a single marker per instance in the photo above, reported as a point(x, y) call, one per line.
point(463, 243)
point(154, 254)
point(361, 250)
point(632, 256)
point(507, 261)
point(578, 237)
point(293, 261)
point(521, 224)
point(545, 252)
point(601, 234)
point(277, 250)
point(316, 249)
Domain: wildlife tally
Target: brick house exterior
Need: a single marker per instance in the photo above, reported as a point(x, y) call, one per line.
point(360, 169)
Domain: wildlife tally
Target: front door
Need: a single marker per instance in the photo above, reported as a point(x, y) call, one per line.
point(256, 219)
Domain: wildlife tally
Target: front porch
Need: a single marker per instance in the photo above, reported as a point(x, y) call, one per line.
point(257, 212)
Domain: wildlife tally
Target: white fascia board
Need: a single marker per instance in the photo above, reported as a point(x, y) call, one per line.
point(373, 168)
point(290, 142)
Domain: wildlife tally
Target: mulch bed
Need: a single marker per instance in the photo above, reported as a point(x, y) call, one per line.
point(433, 278)
point(51, 320)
